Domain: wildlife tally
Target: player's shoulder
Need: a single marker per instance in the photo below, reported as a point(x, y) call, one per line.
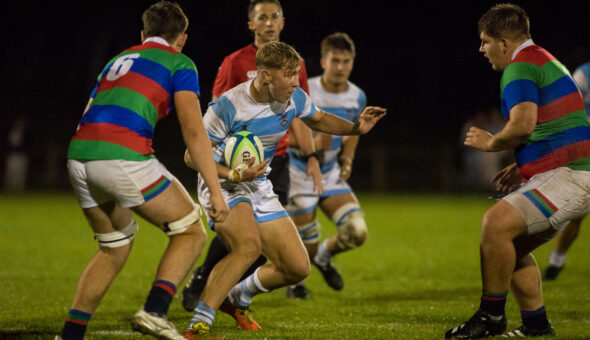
point(584, 68)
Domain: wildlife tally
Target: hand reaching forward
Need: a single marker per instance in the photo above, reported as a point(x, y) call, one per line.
point(370, 116)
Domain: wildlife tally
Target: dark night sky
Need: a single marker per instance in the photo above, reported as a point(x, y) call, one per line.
point(418, 59)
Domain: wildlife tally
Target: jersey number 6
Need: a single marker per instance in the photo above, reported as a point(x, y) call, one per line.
point(121, 66)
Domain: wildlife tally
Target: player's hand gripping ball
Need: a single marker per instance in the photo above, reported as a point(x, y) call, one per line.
point(241, 147)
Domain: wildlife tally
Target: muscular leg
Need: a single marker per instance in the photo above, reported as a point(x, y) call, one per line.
point(107, 262)
point(501, 225)
point(184, 248)
point(240, 235)
point(289, 259)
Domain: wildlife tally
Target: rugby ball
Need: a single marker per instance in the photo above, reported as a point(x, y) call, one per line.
point(242, 146)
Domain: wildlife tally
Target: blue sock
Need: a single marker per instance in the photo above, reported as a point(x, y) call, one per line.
point(160, 297)
point(493, 303)
point(75, 326)
point(535, 319)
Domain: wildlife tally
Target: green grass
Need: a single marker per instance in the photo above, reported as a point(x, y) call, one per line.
point(417, 276)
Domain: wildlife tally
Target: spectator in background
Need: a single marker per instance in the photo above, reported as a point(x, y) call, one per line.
point(17, 158)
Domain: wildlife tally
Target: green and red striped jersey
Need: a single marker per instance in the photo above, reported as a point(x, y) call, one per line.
point(562, 134)
point(133, 92)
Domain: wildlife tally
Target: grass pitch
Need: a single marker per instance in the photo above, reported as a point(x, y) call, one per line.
point(416, 276)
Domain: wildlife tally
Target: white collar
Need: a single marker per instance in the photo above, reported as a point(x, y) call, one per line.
point(522, 46)
point(157, 40)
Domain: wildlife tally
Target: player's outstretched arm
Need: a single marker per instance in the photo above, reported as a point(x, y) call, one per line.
point(199, 149)
point(334, 125)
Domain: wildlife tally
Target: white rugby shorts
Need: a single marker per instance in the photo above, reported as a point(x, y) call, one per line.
point(302, 198)
point(130, 183)
point(549, 200)
point(258, 193)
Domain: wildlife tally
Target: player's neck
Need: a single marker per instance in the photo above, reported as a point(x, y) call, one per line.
point(333, 87)
point(259, 92)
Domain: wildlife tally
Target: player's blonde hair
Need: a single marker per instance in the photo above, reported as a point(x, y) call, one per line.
point(279, 56)
point(164, 19)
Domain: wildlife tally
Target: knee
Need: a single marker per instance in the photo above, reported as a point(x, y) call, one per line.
point(196, 232)
point(352, 232)
point(296, 272)
point(491, 227)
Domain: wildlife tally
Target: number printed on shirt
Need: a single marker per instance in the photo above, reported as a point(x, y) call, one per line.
point(121, 66)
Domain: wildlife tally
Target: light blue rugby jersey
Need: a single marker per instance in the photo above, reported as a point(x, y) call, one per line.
point(237, 111)
point(582, 77)
point(347, 105)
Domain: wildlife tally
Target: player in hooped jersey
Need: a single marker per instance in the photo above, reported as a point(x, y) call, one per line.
point(569, 234)
point(113, 170)
point(266, 21)
point(547, 128)
point(334, 93)
point(257, 222)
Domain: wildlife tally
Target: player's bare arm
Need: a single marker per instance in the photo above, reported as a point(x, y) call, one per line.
point(201, 157)
point(523, 119)
point(329, 123)
point(346, 158)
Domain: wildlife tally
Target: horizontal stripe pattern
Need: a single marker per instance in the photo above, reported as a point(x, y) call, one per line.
point(127, 107)
point(166, 285)
point(560, 157)
point(151, 90)
point(562, 132)
point(115, 134)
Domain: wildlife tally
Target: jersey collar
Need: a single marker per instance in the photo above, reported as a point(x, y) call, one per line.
point(522, 46)
point(157, 40)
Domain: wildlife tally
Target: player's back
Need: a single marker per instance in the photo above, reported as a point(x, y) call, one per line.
point(562, 134)
point(133, 92)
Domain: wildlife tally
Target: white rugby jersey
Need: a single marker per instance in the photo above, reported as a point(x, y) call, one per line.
point(237, 111)
point(347, 105)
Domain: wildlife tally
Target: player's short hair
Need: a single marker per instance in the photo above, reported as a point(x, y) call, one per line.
point(253, 4)
point(164, 19)
point(279, 56)
point(338, 41)
point(505, 21)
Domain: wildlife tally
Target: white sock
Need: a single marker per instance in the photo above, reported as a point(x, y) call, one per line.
point(557, 259)
point(323, 256)
point(243, 292)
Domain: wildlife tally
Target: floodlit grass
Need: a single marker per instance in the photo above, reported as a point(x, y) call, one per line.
point(416, 276)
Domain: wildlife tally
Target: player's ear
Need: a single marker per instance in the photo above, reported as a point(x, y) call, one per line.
point(504, 45)
point(266, 76)
point(251, 25)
